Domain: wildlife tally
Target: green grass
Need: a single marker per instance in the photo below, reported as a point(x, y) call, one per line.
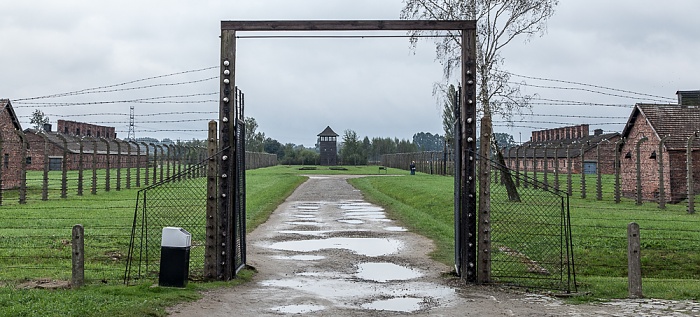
point(35, 246)
point(670, 250)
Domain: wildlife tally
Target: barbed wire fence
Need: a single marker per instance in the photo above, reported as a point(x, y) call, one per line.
point(53, 181)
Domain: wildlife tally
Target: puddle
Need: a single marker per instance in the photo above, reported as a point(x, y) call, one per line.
point(365, 215)
point(304, 223)
point(304, 216)
point(361, 246)
point(311, 206)
point(405, 304)
point(396, 229)
point(366, 208)
point(351, 221)
point(301, 257)
point(382, 272)
point(318, 177)
point(307, 233)
point(298, 309)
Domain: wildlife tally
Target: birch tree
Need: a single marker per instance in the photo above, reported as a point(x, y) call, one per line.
point(499, 23)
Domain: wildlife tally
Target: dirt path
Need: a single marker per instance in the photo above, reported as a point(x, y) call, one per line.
point(326, 252)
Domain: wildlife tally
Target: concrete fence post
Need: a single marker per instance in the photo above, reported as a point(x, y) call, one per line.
point(689, 175)
point(545, 167)
point(24, 146)
point(94, 167)
point(634, 261)
point(639, 169)
point(1, 165)
point(45, 175)
point(64, 166)
point(598, 171)
point(534, 166)
point(527, 181)
point(129, 164)
point(660, 160)
point(556, 166)
point(145, 171)
point(81, 165)
point(107, 167)
point(569, 171)
point(78, 256)
point(618, 148)
point(583, 170)
point(517, 166)
point(119, 164)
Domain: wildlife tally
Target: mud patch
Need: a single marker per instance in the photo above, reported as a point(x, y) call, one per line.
point(371, 247)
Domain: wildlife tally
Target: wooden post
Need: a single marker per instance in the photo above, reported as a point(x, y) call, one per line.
point(634, 261)
point(210, 251)
point(78, 258)
point(639, 170)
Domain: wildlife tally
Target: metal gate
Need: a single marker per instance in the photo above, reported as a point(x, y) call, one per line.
point(530, 233)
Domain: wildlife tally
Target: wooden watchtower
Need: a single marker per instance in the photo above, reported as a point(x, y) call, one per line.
point(327, 143)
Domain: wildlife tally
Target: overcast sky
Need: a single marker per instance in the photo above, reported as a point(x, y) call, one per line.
point(295, 87)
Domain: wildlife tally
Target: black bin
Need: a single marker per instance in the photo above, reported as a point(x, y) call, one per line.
point(174, 257)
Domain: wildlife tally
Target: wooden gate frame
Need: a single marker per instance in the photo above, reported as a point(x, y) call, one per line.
point(465, 196)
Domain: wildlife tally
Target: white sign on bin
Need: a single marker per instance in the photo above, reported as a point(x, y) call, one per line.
point(176, 237)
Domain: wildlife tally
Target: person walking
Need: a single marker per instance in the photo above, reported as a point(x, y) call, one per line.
point(413, 167)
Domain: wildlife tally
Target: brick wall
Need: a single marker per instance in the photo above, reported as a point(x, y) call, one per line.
point(10, 158)
point(649, 167)
point(85, 129)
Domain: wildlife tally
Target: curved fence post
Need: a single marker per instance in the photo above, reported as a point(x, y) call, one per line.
point(155, 164)
point(569, 182)
point(24, 145)
point(2, 163)
point(618, 148)
point(583, 170)
point(534, 166)
point(517, 166)
point(119, 164)
point(639, 169)
point(545, 167)
point(689, 170)
point(145, 171)
point(45, 174)
point(168, 159)
point(556, 165)
point(526, 181)
point(107, 170)
point(660, 159)
point(129, 163)
point(81, 151)
point(599, 172)
point(94, 166)
point(64, 167)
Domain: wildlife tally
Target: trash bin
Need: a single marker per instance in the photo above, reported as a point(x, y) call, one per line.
point(174, 257)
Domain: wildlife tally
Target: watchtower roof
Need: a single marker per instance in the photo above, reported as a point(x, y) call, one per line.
point(328, 132)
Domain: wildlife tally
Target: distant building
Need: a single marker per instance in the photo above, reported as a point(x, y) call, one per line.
point(49, 144)
point(11, 147)
point(549, 148)
point(66, 127)
point(674, 123)
point(328, 147)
